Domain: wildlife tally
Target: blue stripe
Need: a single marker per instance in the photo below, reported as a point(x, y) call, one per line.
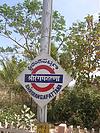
point(44, 78)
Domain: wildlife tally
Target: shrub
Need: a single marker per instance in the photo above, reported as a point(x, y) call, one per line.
point(77, 107)
point(24, 119)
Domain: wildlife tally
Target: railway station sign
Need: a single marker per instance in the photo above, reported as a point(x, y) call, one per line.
point(43, 79)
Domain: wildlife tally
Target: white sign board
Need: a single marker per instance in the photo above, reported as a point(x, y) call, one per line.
point(43, 79)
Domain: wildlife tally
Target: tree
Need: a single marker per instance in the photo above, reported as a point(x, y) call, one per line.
point(22, 25)
point(77, 107)
point(8, 76)
point(80, 57)
point(79, 54)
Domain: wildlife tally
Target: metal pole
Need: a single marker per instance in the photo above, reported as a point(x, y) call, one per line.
point(46, 26)
point(45, 46)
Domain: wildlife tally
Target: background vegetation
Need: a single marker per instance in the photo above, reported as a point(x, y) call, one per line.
point(76, 49)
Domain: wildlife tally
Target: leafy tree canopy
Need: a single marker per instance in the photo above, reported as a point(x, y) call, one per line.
point(22, 25)
point(80, 54)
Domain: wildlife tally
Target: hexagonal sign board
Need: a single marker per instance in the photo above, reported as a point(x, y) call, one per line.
point(43, 79)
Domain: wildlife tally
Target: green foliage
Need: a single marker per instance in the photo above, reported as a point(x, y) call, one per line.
point(23, 118)
point(79, 52)
point(8, 49)
point(26, 118)
point(9, 73)
point(78, 56)
point(77, 107)
point(21, 20)
point(58, 30)
point(54, 53)
point(22, 25)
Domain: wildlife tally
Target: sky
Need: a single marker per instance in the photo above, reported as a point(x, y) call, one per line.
point(72, 10)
